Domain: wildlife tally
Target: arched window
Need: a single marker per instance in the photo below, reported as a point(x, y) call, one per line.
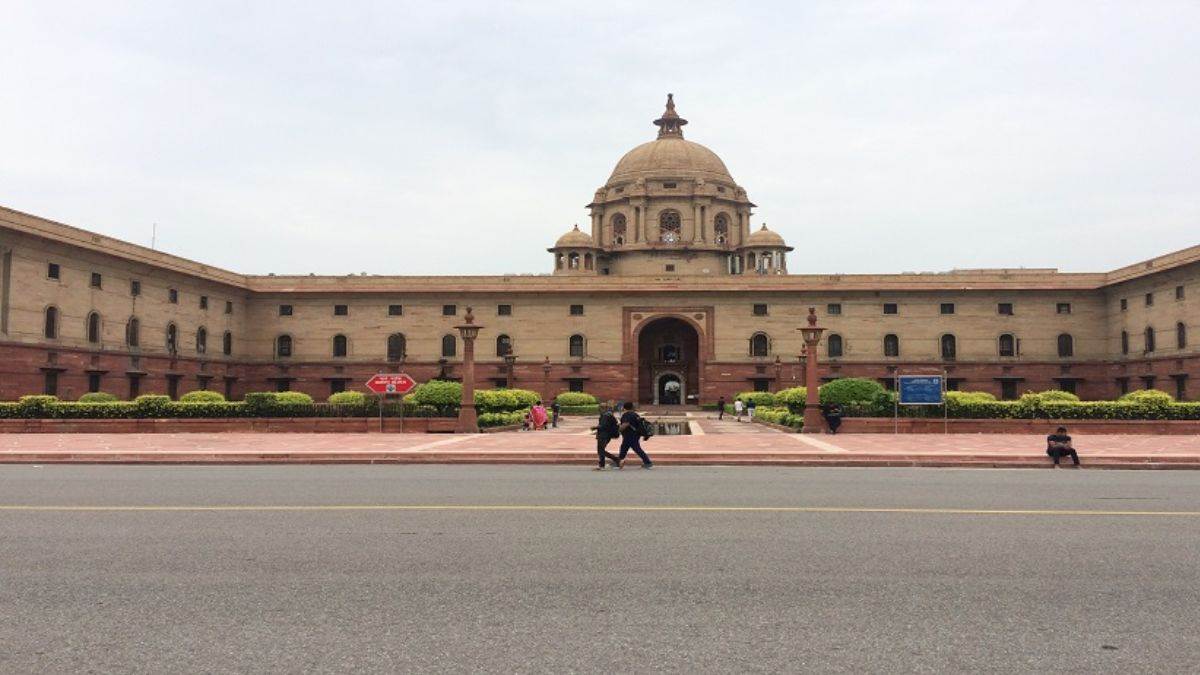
point(618, 229)
point(132, 332)
point(172, 339)
point(891, 345)
point(721, 229)
point(949, 346)
point(51, 328)
point(503, 345)
point(558, 261)
point(1124, 342)
point(1181, 335)
point(1007, 345)
point(576, 346)
point(227, 343)
point(449, 346)
point(670, 228)
point(1066, 345)
point(397, 347)
point(751, 261)
point(573, 261)
point(93, 328)
point(283, 346)
point(201, 340)
point(587, 261)
point(834, 346)
point(339, 345)
point(760, 345)
point(1149, 338)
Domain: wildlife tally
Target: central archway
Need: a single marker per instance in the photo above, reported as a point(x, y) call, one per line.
point(668, 362)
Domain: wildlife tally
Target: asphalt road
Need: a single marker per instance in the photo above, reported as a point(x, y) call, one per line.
point(707, 569)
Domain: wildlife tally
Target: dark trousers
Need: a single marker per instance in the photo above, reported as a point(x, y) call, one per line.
point(721, 411)
point(601, 453)
point(1058, 453)
point(633, 443)
point(554, 421)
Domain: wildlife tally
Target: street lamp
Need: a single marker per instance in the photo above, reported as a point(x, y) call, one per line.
point(813, 424)
point(509, 360)
point(468, 420)
point(546, 379)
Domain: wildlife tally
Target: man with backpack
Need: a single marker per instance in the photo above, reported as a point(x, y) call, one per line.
point(606, 430)
point(634, 429)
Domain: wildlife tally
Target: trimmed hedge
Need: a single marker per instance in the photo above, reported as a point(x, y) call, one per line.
point(348, 398)
point(850, 390)
point(98, 397)
point(781, 416)
point(501, 419)
point(593, 409)
point(570, 399)
point(202, 396)
point(502, 400)
point(762, 399)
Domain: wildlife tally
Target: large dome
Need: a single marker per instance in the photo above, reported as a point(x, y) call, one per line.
point(669, 156)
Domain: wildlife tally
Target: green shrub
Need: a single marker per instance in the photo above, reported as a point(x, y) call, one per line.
point(575, 398)
point(348, 398)
point(953, 397)
point(1150, 397)
point(593, 409)
point(293, 398)
point(202, 397)
point(97, 397)
point(151, 406)
point(9, 410)
point(442, 395)
point(205, 409)
point(794, 398)
point(94, 411)
point(780, 416)
point(501, 419)
point(35, 406)
point(762, 399)
point(849, 390)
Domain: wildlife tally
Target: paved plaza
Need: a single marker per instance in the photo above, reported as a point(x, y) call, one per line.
point(553, 569)
point(711, 441)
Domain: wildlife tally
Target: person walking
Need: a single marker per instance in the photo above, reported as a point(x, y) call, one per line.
point(750, 409)
point(633, 431)
point(555, 410)
point(738, 407)
point(607, 428)
point(721, 408)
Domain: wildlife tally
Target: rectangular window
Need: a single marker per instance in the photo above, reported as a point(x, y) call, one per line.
point(204, 302)
point(93, 382)
point(337, 386)
point(504, 310)
point(669, 186)
point(285, 310)
point(1149, 299)
point(96, 280)
point(229, 388)
point(890, 308)
point(1004, 308)
point(762, 384)
point(1124, 304)
point(229, 307)
point(449, 310)
point(341, 310)
point(52, 271)
point(135, 287)
point(576, 310)
point(1148, 381)
point(670, 268)
point(833, 309)
point(1123, 385)
point(172, 296)
point(1180, 387)
point(283, 385)
point(173, 386)
point(135, 386)
point(1063, 308)
point(574, 384)
point(760, 310)
point(395, 310)
point(1008, 389)
point(1179, 292)
point(51, 383)
point(947, 308)
point(1067, 386)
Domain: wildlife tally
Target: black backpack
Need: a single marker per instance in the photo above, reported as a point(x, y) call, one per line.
point(645, 429)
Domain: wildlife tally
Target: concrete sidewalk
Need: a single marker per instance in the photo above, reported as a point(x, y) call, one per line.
point(576, 446)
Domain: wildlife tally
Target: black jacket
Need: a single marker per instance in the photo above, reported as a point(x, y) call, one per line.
point(607, 425)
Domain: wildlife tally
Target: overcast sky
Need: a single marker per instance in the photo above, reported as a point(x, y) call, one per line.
point(441, 138)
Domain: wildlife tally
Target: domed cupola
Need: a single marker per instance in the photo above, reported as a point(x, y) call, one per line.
point(765, 252)
point(574, 253)
point(670, 206)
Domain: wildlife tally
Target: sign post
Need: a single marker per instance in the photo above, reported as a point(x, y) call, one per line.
point(920, 390)
point(387, 384)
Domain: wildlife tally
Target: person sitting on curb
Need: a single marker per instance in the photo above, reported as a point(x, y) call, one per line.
point(1059, 444)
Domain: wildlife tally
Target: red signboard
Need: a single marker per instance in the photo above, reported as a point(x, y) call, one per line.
point(391, 383)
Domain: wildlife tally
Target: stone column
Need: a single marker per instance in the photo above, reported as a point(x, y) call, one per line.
point(698, 224)
point(639, 214)
point(468, 420)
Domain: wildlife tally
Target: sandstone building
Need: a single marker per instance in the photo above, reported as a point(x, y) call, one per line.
point(671, 295)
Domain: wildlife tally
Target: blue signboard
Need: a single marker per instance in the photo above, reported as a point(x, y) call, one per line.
point(920, 389)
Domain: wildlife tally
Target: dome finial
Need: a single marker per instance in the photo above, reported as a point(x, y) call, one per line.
point(670, 125)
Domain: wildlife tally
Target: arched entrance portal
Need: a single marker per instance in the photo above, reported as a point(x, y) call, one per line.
point(670, 389)
point(668, 362)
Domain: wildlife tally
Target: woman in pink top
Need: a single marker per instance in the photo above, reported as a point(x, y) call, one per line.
point(539, 416)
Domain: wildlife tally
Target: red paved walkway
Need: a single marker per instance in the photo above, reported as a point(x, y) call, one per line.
point(574, 445)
